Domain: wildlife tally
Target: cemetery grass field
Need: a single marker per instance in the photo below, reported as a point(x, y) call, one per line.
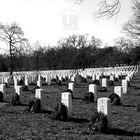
point(16, 123)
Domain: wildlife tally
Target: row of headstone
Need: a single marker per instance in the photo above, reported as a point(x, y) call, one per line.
point(95, 73)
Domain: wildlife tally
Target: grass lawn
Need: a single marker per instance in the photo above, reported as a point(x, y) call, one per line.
point(15, 123)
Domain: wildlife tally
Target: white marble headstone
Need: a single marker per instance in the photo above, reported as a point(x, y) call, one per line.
point(119, 91)
point(125, 86)
point(104, 82)
point(26, 81)
point(104, 106)
point(15, 82)
point(48, 80)
point(39, 83)
point(93, 89)
point(97, 77)
point(66, 99)
point(38, 95)
point(3, 90)
point(71, 86)
point(111, 77)
point(19, 91)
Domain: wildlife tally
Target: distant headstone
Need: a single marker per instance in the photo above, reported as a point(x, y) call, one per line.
point(26, 81)
point(6, 80)
point(66, 99)
point(98, 77)
point(93, 77)
point(15, 82)
point(48, 80)
point(2, 80)
point(111, 77)
point(39, 83)
point(71, 86)
point(73, 78)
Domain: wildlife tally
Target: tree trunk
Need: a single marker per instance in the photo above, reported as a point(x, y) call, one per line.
point(11, 60)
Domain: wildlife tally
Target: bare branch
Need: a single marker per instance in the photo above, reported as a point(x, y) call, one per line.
point(132, 27)
point(109, 10)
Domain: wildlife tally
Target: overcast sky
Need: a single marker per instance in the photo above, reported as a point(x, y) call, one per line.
point(48, 20)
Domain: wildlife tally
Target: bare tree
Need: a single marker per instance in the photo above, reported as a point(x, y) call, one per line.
point(94, 43)
point(77, 41)
point(109, 8)
point(124, 45)
point(13, 36)
point(132, 27)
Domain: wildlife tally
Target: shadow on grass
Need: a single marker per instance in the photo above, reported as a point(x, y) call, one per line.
point(5, 101)
point(79, 120)
point(137, 87)
point(128, 105)
point(46, 112)
point(20, 104)
point(77, 98)
point(121, 132)
point(134, 86)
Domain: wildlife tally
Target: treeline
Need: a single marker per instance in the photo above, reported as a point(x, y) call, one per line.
point(77, 51)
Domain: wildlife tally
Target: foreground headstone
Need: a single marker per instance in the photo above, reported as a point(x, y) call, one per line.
point(104, 106)
point(66, 99)
point(119, 91)
point(93, 89)
point(125, 86)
